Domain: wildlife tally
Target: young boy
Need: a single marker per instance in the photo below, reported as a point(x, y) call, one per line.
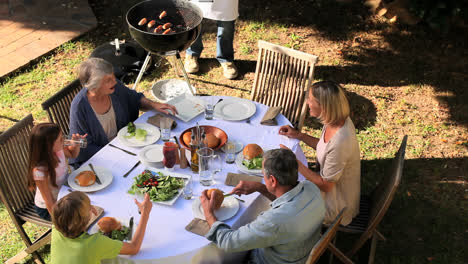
point(72, 244)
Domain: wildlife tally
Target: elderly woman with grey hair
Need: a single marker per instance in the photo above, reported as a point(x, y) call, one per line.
point(104, 106)
point(339, 165)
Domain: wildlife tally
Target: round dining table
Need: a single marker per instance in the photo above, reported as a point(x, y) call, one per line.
point(166, 240)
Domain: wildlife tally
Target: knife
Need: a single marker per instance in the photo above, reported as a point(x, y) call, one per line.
point(130, 229)
point(128, 172)
point(98, 181)
point(124, 150)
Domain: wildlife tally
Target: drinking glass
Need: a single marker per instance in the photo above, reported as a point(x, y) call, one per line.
point(165, 126)
point(208, 165)
point(230, 149)
point(69, 141)
point(188, 189)
point(209, 109)
point(170, 153)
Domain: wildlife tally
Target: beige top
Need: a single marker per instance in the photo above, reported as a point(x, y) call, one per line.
point(339, 161)
point(108, 122)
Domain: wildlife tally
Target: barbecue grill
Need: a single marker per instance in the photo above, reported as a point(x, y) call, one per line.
point(186, 19)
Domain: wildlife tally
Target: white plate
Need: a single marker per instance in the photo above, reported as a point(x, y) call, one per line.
point(244, 169)
point(228, 209)
point(152, 156)
point(188, 106)
point(170, 173)
point(238, 144)
point(169, 89)
point(123, 221)
point(152, 136)
point(235, 109)
point(104, 174)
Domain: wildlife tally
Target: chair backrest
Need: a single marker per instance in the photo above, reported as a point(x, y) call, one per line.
point(282, 78)
point(321, 245)
point(14, 155)
point(58, 106)
point(382, 195)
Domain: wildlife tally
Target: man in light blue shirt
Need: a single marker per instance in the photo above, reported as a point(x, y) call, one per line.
point(288, 230)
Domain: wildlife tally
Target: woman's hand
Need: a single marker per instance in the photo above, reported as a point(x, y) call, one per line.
point(289, 132)
point(163, 108)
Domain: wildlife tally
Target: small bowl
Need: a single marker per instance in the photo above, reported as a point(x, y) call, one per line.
point(218, 132)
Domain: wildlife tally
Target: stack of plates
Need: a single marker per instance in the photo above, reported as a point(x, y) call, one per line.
point(152, 156)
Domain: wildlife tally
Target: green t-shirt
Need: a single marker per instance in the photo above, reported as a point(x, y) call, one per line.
point(84, 249)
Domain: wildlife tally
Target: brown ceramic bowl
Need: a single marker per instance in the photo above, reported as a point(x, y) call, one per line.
point(219, 133)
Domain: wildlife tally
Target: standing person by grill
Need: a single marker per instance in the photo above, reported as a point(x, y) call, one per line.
point(225, 13)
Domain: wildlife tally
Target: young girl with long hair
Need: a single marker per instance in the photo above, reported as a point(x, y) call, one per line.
point(47, 170)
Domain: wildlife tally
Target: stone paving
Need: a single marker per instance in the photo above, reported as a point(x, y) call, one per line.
point(31, 28)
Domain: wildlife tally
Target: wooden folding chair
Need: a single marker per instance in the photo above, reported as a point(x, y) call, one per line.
point(282, 78)
point(58, 106)
point(326, 242)
point(373, 208)
point(14, 192)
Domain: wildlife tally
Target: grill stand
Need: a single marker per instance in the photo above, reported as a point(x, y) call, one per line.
point(178, 59)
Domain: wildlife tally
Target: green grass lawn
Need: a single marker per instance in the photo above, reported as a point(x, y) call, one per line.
point(400, 81)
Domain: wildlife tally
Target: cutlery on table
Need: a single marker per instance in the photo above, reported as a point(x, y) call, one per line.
point(98, 181)
point(248, 120)
point(229, 194)
point(134, 166)
point(70, 190)
point(130, 229)
point(124, 150)
point(218, 102)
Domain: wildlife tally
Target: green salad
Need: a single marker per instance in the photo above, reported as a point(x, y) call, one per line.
point(159, 186)
point(253, 164)
point(121, 234)
point(138, 133)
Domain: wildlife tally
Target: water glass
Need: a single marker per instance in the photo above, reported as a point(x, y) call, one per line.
point(208, 165)
point(69, 141)
point(209, 110)
point(165, 126)
point(230, 150)
point(188, 189)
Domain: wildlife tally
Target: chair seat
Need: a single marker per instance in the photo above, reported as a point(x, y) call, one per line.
point(28, 214)
point(359, 223)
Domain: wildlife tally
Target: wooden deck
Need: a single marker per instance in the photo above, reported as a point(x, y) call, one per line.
point(31, 28)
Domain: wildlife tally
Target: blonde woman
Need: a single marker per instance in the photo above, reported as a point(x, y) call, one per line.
point(339, 174)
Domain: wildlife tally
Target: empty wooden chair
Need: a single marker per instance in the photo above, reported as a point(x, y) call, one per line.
point(326, 242)
point(14, 192)
point(373, 208)
point(282, 78)
point(58, 106)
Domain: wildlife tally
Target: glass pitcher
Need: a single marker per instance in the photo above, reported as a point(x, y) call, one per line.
point(209, 164)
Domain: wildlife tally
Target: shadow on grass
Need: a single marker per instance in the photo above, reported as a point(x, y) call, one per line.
point(427, 220)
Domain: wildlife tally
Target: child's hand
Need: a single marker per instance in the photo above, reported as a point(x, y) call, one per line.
point(78, 136)
point(145, 206)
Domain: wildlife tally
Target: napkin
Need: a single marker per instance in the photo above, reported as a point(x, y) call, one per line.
point(232, 179)
point(156, 120)
point(198, 226)
point(93, 218)
point(269, 119)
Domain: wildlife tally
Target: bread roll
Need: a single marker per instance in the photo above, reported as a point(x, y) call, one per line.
point(252, 151)
point(85, 178)
point(187, 137)
point(108, 224)
point(211, 141)
point(218, 197)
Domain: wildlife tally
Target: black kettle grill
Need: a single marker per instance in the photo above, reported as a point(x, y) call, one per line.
point(183, 15)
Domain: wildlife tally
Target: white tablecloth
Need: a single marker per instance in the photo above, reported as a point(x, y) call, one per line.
point(166, 235)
